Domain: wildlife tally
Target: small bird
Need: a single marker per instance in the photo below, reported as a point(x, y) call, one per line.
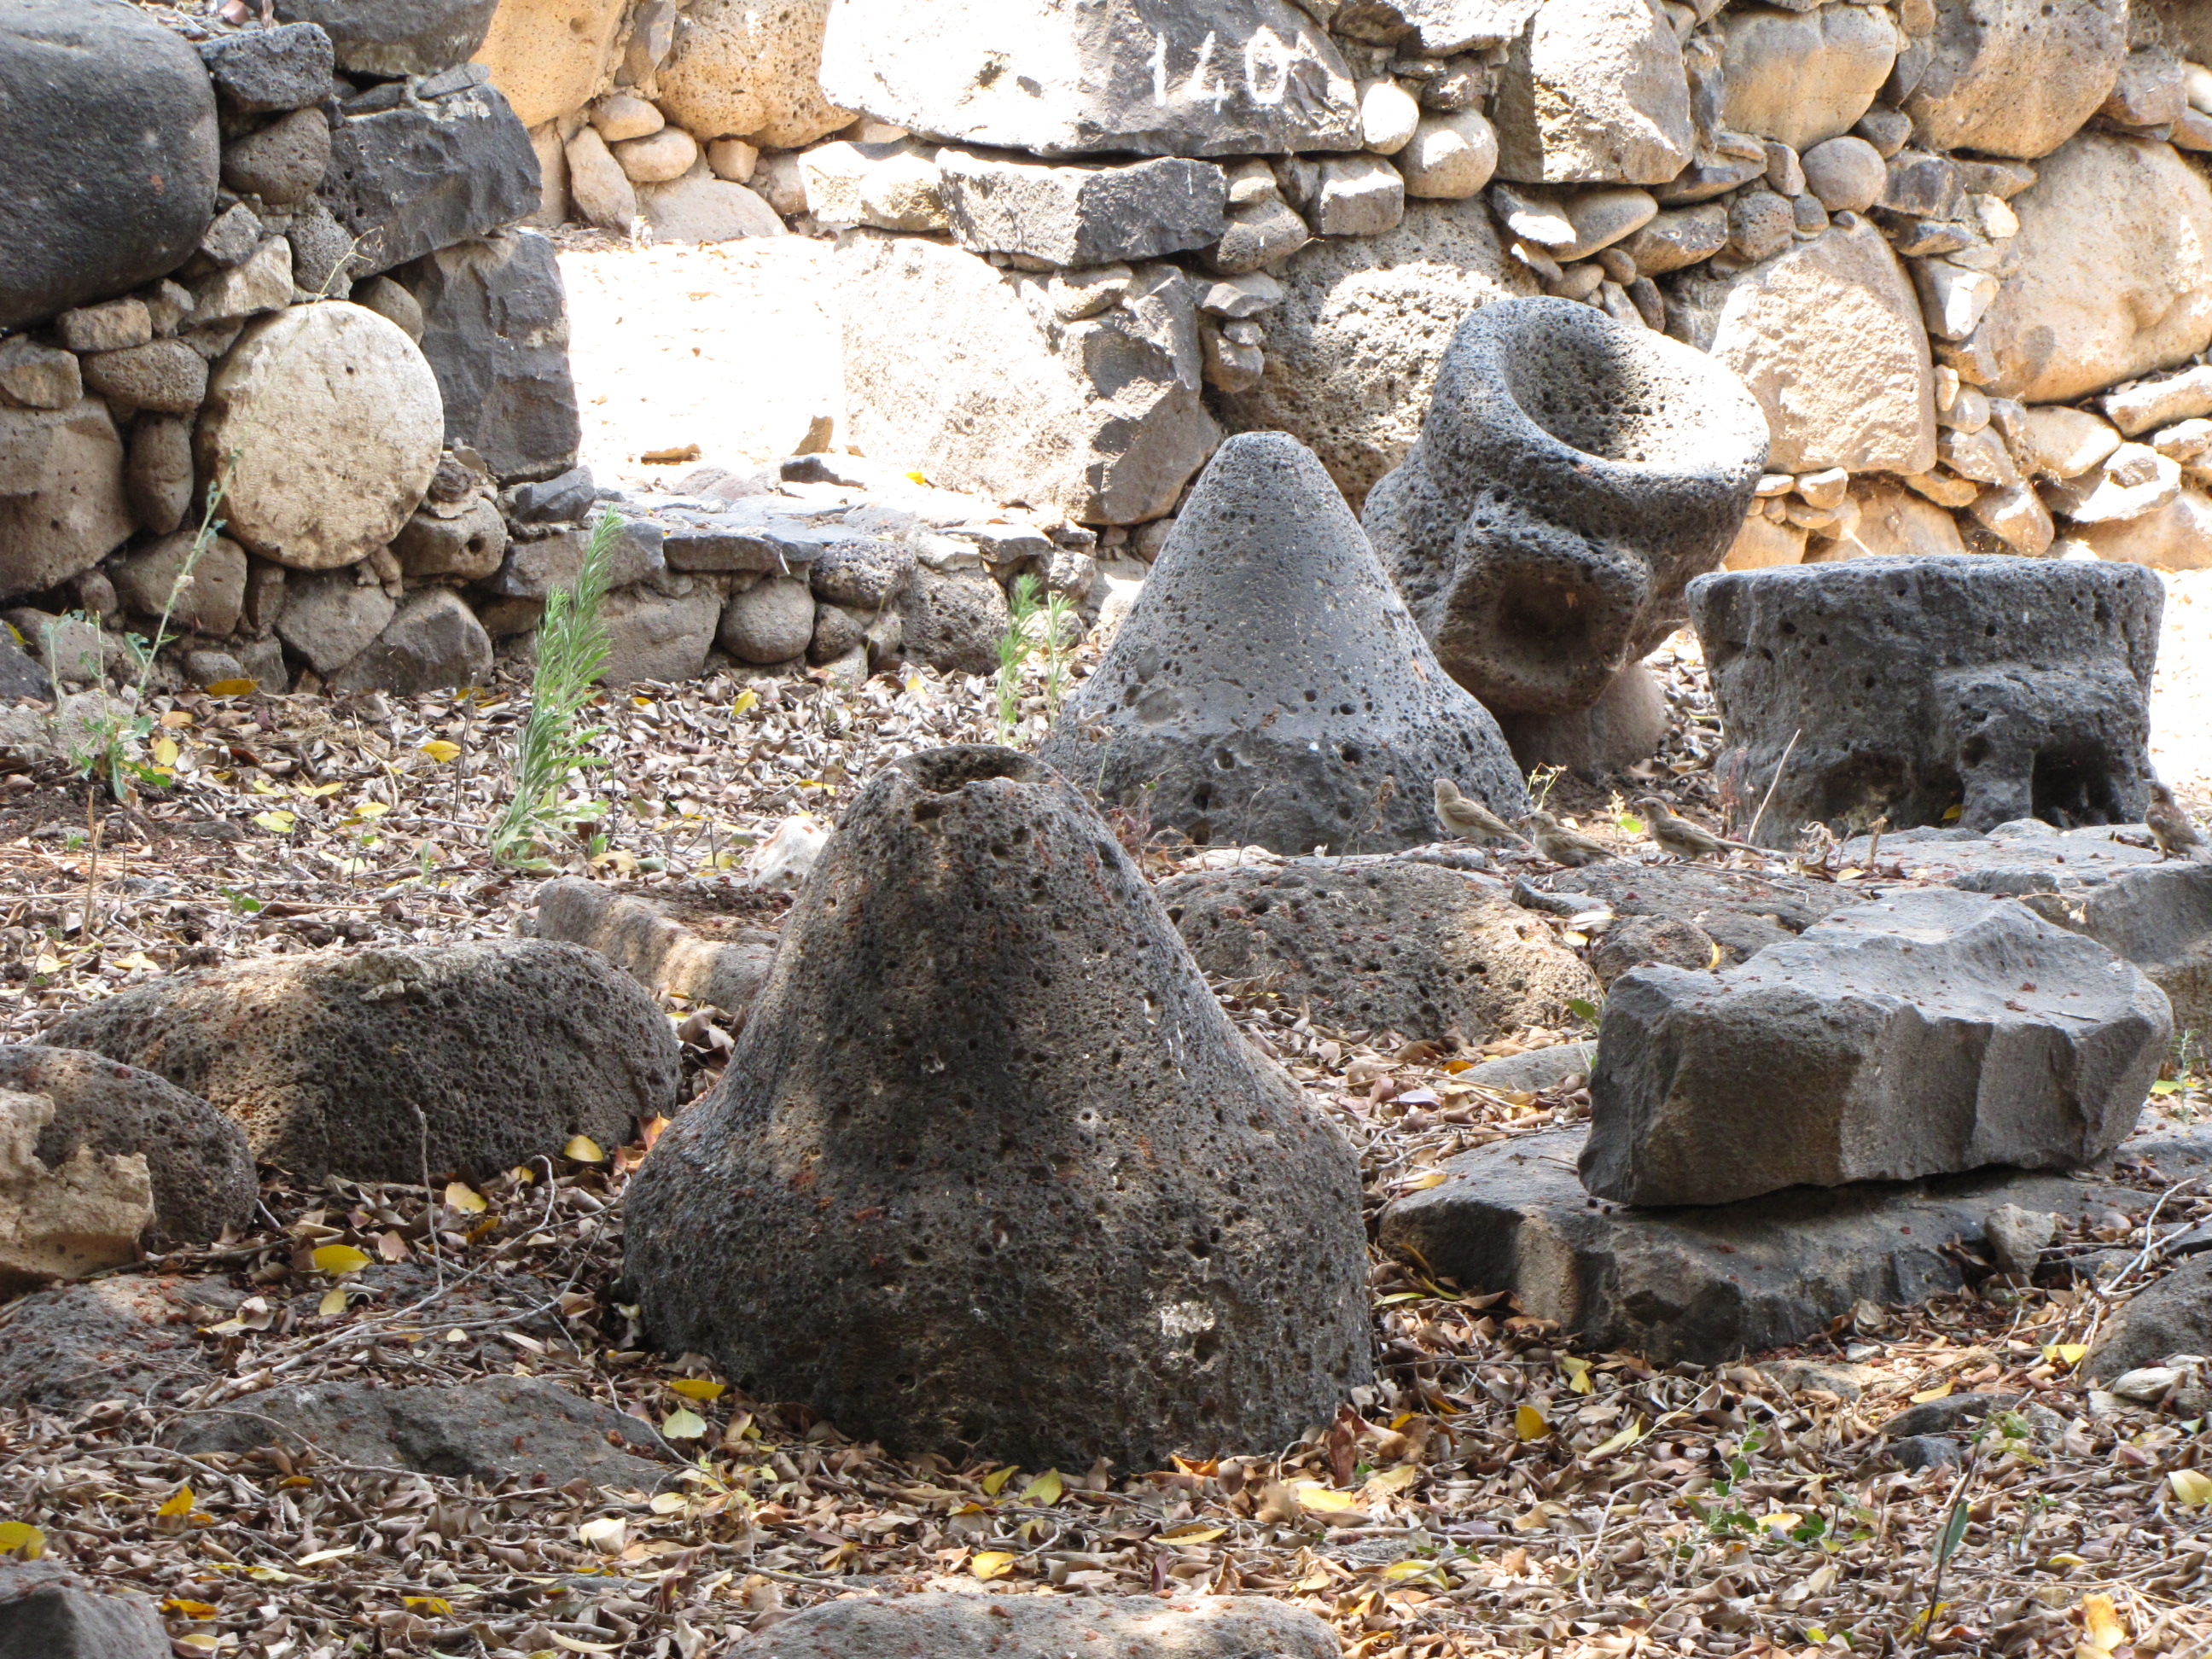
point(1564, 846)
point(2170, 825)
point(1680, 838)
point(1464, 817)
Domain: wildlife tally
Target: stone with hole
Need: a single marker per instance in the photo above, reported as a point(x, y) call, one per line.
point(1957, 688)
point(1572, 475)
point(1271, 688)
point(965, 1189)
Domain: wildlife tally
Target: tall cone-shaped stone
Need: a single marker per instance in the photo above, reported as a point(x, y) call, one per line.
point(991, 1169)
point(1271, 688)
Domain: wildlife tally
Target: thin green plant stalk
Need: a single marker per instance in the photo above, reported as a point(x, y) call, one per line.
point(1058, 613)
point(573, 646)
point(1014, 647)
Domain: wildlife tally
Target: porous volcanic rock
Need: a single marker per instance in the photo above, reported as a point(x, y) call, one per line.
point(495, 333)
point(1742, 911)
point(1572, 474)
point(1270, 687)
point(2004, 689)
point(1388, 945)
point(202, 1172)
point(487, 1428)
point(1048, 1627)
point(427, 173)
point(96, 205)
point(126, 1337)
point(397, 38)
point(989, 1166)
point(48, 1612)
point(368, 1063)
point(1711, 1282)
point(1931, 1032)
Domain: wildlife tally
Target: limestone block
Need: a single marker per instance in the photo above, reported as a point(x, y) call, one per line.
point(1058, 77)
point(1804, 76)
point(332, 420)
point(549, 55)
point(1594, 92)
point(61, 502)
point(1077, 214)
point(1840, 302)
point(964, 371)
point(751, 69)
point(2016, 78)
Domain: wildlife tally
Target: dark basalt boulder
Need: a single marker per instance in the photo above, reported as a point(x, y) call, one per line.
point(95, 205)
point(991, 1169)
point(197, 1159)
point(1572, 474)
point(469, 1058)
point(395, 38)
point(2006, 689)
point(1270, 687)
point(412, 178)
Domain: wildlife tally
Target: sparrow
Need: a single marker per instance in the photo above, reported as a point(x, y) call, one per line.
point(1563, 846)
point(2170, 826)
point(1469, 819)
point(1680, 838)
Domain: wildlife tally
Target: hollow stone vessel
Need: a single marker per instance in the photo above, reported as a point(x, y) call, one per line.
point(1270, 687)
point(2005, 688)
point(1572, 474)
point(990, 1169)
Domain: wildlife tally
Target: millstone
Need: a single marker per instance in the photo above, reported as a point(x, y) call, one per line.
point(1270, 687)
point(990, 1168)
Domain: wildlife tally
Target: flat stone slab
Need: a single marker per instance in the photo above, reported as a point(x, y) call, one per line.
point(1046, 1627)
point(2110, 882)
point(1707, 1284)
point(1742, 911)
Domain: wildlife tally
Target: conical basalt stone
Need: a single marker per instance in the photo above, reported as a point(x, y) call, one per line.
point(1271, 688)
point(991, 1169)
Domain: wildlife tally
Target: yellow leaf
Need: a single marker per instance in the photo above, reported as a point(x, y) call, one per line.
point(164, 752)
point(918, 477)
point(1578, 1374)
point(428, 1603)
point(997, 1478)
point(439, 750)
point(1530, 1424)
point(201, 1643)
point(582, 1149)
point(1324, 1500)
point(2100, 1623)
point(315, 1558)
point(1414, 1567)
point(1782, 1522)
point(992, 1563)
point(683, 1424)
point(459, 1195)
point(333, 1302)
point(22, 1538)
point(1192, 1535)
point(1936, 1393)
point(607, 1534)
point(232, 688)
point(181, 1502)
point(261, 786)
point(1620, 1442)
point(668, 1503)
point(277, 821)
point(2191, 1487)
point(1395, 1479)
point(1045, 1489)
point(570, 1644)
point(1424, 1180)
point(2066, 1559)
point(745, 703)
point(339, 1259)
point(371, 809)
point(185, 1609)
point(1852, 874)
point(2066, 1353)
point(322, 790)
point(1953, 814)
point(698, 1388)
point(2165, 1086)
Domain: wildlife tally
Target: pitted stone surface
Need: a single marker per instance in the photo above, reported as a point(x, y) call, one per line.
point(1931, 1032)
point(1270, 687)
point(95, 205)
point(365, 1063)
point(990, 1167)
point(1048, 1627)
point(197, 1159)
point(397, 37)
point(424, 175)
point(2005, 688)
point(1572, 475)
point(1387, 945)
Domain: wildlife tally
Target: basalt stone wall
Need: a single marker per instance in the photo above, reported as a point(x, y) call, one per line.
point(285, 260)
point(1961, 250)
